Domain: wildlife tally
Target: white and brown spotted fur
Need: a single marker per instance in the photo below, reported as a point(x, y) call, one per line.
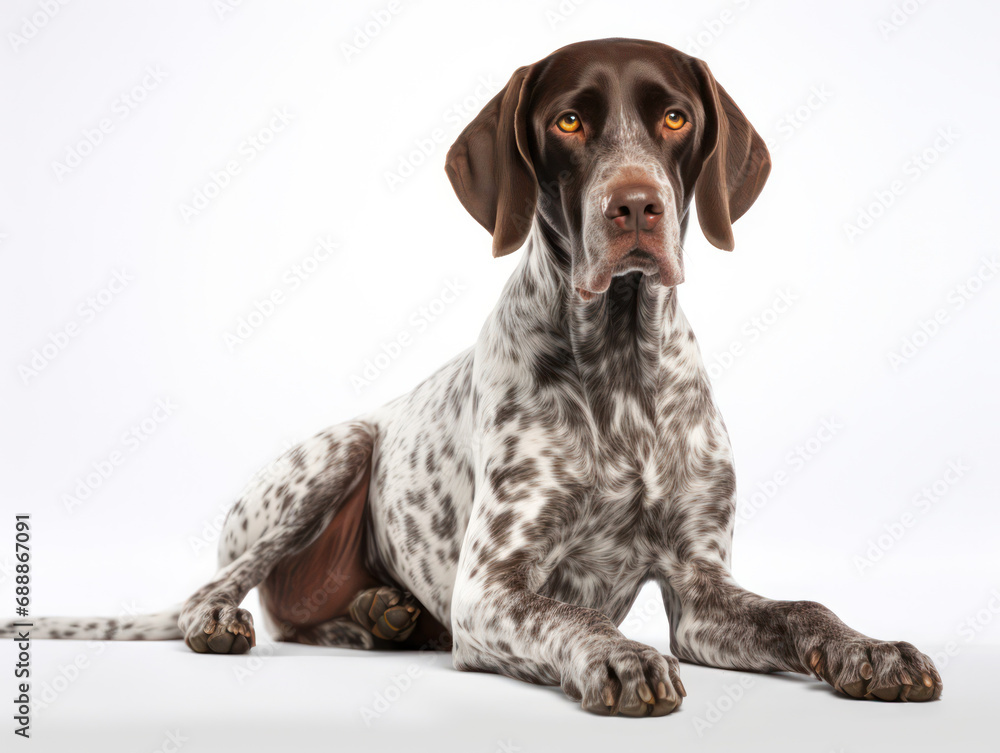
point(523, 494)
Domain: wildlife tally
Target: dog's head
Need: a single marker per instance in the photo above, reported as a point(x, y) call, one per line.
point(608, 141)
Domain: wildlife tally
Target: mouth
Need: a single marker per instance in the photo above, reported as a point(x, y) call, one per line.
point(641, 257)
point(660, 266)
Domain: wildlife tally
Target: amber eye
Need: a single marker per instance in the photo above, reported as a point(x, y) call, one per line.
point(674, 120)
point(569, 123)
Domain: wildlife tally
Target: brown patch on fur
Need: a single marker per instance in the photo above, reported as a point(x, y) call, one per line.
point(318, 583)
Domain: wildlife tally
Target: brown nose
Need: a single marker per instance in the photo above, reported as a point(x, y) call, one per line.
point(635, 207)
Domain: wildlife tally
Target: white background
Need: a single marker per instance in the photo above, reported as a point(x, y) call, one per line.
point(891, 75)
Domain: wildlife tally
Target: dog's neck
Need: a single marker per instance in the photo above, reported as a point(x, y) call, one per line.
point(614, 342)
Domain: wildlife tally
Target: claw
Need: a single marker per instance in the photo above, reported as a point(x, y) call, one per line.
point(645, 693)
point(866, 671)
point(680, 688)
point(928, 680)
point(886, 694)
point(661, 690)
point(854, 689)
point(816, 662)
point(609, 697)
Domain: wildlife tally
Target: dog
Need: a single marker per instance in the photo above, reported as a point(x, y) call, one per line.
point(512, 505)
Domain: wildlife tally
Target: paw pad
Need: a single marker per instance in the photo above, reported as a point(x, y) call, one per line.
point(387, 612)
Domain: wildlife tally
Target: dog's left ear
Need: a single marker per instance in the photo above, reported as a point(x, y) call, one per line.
point(735, 167)
point(490, 167)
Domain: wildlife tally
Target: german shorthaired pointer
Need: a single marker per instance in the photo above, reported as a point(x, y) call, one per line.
point(513, 504)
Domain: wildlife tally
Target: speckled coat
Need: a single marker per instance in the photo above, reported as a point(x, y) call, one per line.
point(521, 496)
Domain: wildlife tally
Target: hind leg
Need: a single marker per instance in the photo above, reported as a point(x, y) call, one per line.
point(281, 515)
point(220, 630)
point(386, 612)
point(381, 617)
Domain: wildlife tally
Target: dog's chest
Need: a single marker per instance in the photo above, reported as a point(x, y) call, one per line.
point(602, 553)
point(607, 540)
point(639, 452)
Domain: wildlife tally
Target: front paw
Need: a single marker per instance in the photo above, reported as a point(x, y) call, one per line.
point(870, 669)
point(627, 678)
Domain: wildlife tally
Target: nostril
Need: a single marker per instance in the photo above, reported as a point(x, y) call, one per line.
point(634, 206)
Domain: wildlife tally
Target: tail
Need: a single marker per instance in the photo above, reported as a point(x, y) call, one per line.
point(157, 626)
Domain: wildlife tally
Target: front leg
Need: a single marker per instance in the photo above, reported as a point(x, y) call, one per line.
point(714, 621)
point(502, 624)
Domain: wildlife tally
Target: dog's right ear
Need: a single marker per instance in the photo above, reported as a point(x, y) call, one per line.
point(490, 167)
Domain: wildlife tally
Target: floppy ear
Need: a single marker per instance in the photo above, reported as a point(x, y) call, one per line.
point(736, 163)
point(490, 168)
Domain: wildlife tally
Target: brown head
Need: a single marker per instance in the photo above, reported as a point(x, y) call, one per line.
point(607, 142)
